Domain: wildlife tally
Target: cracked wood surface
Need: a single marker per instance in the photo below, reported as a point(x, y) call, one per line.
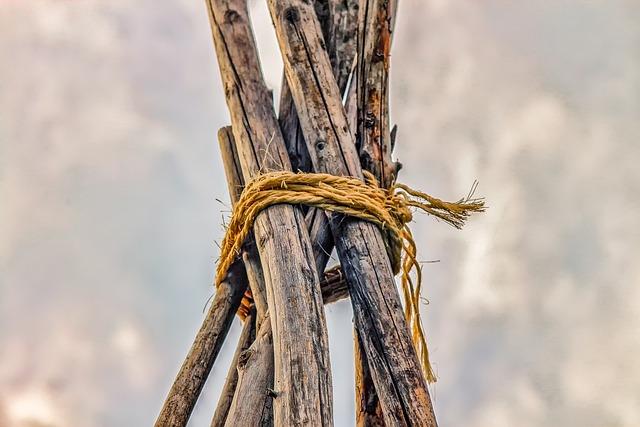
point(302, 378)
point(378, 315)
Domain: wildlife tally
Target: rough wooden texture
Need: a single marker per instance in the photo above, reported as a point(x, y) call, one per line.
point(378, 315)
point(339, 21)
point(368, 408)
point(195, 369)
point(375, 31)
point(228, 390)
point(249, 395)
point(302, 369)
point(255, 379)
point(250, 256)
point(370, 115)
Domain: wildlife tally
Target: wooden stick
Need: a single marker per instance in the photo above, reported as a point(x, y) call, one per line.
point(376, 22)
point(259, 361)
point(368, 408)
point(302, 370)
point(375, 30)
point(255, 383)
point(377, 310)
point(195, 369)
point(262, 380)
point(228, 390)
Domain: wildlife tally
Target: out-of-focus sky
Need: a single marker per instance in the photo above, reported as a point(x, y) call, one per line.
point(110, 178)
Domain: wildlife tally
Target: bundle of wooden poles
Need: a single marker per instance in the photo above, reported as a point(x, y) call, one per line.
point(333, 118)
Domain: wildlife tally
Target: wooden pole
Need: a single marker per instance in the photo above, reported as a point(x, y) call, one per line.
point(377, 310)
point(195, 369)
point(257, 367)
point(302, 370)
point(228, 390)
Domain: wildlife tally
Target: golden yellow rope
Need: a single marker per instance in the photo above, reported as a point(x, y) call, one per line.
point(390, 209)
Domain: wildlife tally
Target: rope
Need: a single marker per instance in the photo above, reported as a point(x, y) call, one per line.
point(389, 209)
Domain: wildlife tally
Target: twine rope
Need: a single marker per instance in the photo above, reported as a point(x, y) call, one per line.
point(390, 209)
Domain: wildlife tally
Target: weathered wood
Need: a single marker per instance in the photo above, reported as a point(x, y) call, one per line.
point(228, 390)
point(255, 379)
point(196, 367)
point(375, 32)
point(377, 310)
point(333, 288)
point(302, 370)
point(250, 256)
point(251, 402)
point(370, 115)
point(368, 408)
point(339, 22)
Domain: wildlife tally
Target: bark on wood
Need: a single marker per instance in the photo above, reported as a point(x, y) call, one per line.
point(228, 390)
point(302, 370)
point(195, 369)
point(377, 310)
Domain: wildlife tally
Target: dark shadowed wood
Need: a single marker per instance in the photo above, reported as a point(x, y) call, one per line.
point(302, 378)
point(375, 32)
point(368, 408)
point(378, 314)
point(195, 369)
point(228, 390)
point(376, 22)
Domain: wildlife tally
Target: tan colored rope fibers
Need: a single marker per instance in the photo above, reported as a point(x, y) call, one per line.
point(388, 209)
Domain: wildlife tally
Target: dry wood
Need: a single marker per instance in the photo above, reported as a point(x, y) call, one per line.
point(250, 256)
point(368, 408)
point(376, 22)
point(333, 287)
point(377, 310)
point(255, 380)
point(195, 369)
point(249, 396)
point(226, 396)
point(302, 370)
point(375, 32)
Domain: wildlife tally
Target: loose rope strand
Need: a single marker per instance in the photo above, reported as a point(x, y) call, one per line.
point(389, 209)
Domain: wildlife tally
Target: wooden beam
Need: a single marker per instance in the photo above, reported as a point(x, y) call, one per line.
point(196, 367)
point(377, 309)
point(302, 370)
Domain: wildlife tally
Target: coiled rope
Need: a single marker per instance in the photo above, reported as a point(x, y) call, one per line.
point(389, 209)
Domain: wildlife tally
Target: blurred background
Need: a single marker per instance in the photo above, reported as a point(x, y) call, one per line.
point(112, 197)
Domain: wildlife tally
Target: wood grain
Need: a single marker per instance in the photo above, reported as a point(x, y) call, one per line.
point(302, 378)
point(378, 315)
